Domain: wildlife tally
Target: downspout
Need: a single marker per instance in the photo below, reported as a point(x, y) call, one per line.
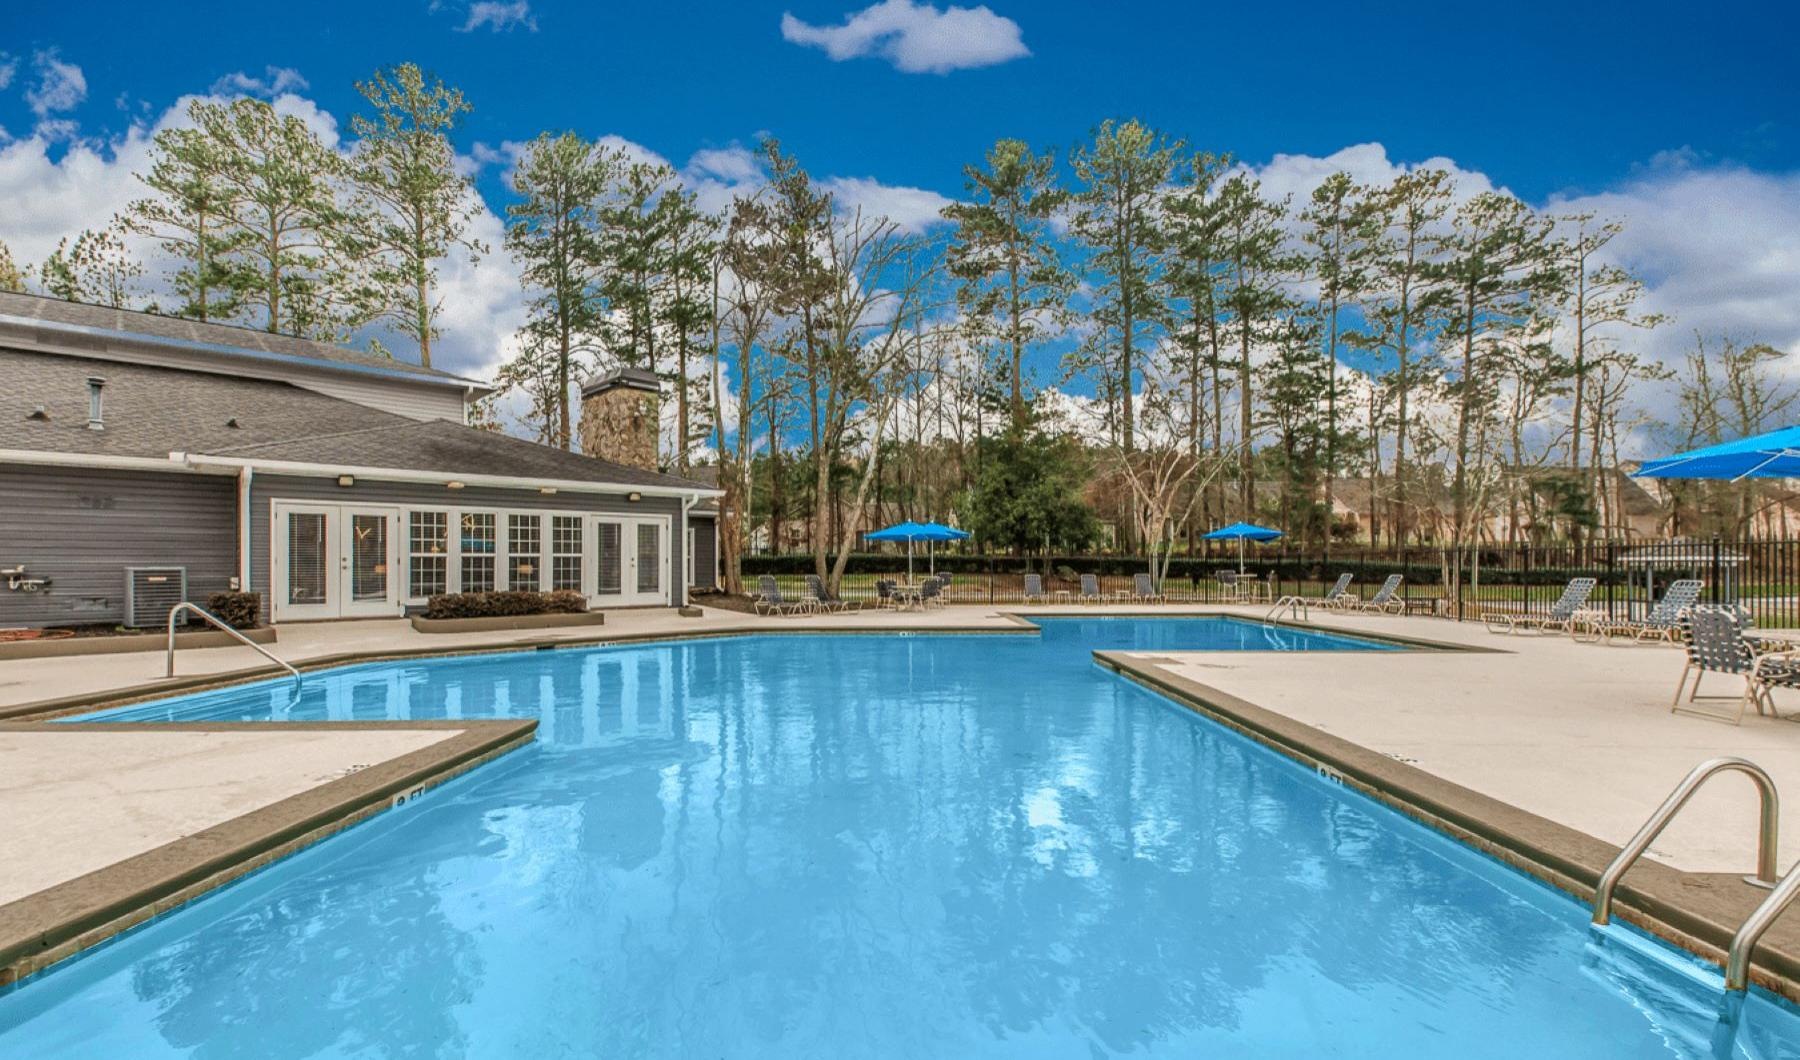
point(243, 478)
point(687, 504)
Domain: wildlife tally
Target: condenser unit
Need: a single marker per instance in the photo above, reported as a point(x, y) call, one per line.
point(150, 593)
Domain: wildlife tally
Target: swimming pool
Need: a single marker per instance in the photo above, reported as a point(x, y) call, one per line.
point(865, 846)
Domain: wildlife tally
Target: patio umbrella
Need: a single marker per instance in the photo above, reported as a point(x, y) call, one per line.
point(1243, 532)
point(910, 531)
point(1772, 455)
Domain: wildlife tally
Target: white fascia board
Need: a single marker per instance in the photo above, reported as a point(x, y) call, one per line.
point(393, 474)
point(46, 458)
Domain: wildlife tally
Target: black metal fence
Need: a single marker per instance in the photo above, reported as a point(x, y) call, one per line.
point(1762, 575)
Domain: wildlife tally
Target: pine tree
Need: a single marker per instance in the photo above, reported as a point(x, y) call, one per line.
point(96, 269)
point(189, 216)
point(690, 249)
point(635, 270)
point(559, 181)
point(1122, 173)
point(1253, 294)
point(420, 206)
point(1005, 256)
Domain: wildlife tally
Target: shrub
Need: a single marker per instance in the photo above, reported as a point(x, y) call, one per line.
point(235, 609)
point(504, 604)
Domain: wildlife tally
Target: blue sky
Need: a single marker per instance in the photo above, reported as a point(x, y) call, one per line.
point(1540, 98)
point(1677, 119)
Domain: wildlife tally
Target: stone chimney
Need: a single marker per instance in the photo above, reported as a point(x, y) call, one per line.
point(621, 417)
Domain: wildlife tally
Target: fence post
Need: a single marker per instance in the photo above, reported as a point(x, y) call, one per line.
point(1714, 579)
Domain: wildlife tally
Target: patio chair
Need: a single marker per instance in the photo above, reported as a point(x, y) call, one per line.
point(1090, 589)
point(884, 592)
point(769, 600)
point(1559, 619)
point(1143, 590)
point(1716, 643)
point(1387, 599)
point(1339, 594)
point(931, 591)
point(826, 599)
point(1662, 623)
point(1034, 589)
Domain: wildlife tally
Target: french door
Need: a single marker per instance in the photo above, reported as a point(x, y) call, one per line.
point(631, 560)
point(332, 561)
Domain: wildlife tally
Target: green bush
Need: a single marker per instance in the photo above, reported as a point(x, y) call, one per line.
point(235, 609)
point(505, 604)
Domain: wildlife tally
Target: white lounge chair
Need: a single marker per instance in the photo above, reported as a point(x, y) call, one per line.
point(1561, 615)
point(1387, 599)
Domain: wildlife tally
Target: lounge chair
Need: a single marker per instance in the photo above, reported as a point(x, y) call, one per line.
point(1715, 642)
point(1144, 591)
point(826, 599)
point(769, 600)
point(1387, 599)
point(1034, 589)
point(1090, 589)
point(1662, 623)
point(1338, 595)
point(1559, 619)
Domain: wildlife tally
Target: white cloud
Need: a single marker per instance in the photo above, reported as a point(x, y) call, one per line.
point(275, 81)
point(9, 68)
point(913, 209)
point(915, 37)
point(499, 17)
point(60, 85)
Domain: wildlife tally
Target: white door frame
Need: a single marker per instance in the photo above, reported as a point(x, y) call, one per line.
point(628, 594)
point(338, 553)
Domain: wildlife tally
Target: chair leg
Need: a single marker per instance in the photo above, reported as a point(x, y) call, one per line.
point(1675, 705)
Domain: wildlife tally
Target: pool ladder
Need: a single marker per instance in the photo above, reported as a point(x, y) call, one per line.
point(220, 623)
point(1293, 605)
point(1737, 958)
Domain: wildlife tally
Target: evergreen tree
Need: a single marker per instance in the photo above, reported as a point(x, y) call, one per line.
point(1253, 276)
point(1005, 256)
point(12, 278)
point(420, 206)
point(96, 269)
point(189, 216)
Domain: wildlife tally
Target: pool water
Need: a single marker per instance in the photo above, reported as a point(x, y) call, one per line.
point(880, 846)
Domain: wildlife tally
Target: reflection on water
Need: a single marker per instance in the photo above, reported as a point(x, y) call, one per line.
point(867, 846)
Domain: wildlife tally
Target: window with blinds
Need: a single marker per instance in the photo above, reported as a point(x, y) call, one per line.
point(610, 558)
point(649, 557)
point(524, 551)
point(306, 558)
point(478, 547)
point(565, 552)
point(428, 553)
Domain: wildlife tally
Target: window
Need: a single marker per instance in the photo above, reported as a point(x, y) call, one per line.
point(306, 558)
point(427, 552)
point(565, 552)
point(478, 542)
point(524, 550)
point(611, 559)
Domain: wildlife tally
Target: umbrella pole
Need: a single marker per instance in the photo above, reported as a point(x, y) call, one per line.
point(909, 560)
point(931, 554)
point(1240, 556)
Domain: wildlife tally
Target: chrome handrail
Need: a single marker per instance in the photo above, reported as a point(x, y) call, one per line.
point(1766, 835)
point(1294, 605)
point(215, 620)
point(1737, 959)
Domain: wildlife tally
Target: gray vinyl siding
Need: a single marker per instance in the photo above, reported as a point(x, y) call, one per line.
point(706, 551)
point(265, 489)
point(82, 527)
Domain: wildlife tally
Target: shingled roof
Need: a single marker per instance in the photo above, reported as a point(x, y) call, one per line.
point(152, 412)
point(77, 321)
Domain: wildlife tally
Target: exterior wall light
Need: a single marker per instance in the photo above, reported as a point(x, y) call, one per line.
point(346, 480)
point(634, 497)
point(548, 491)
point(453, 484)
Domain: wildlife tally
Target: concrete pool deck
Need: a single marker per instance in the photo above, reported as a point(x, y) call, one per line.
point(1575, 735)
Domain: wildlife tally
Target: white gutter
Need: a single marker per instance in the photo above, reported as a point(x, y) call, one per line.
point(100, 460)
point(687, 505)
point(394, 474)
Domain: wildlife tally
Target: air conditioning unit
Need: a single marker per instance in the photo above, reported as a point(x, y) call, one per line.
point(150, 593)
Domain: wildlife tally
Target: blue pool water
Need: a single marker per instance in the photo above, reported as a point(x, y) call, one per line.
point(881, 846)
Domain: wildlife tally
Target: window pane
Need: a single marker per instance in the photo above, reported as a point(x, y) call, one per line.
point(524, 545)
point(565, 552)
point(478, 541)
point(649, 558)
point(428, 545)
point(610, 560)
point(306, 558)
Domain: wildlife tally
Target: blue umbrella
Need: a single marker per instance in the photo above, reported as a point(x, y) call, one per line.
point(1772, 455)
point(1243, 532)
point(910, 531)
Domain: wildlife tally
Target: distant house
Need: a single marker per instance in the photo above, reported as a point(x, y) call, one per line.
point(147, 459)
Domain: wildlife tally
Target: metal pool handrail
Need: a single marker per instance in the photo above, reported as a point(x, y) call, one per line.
point(1294, 605)
point(1766, 835)
point(216, 621)
point(1737, 959)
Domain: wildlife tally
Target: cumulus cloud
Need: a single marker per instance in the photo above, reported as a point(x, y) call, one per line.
point(275, 81)
point(60, 85)
point(915, 37)
point(9, 69)
point(499, 17)
point(913, 209)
